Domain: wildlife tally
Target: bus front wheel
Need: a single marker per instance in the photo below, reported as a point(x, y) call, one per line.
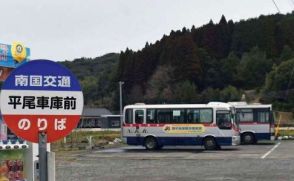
point(248, 138)
point(150, 143)
point(210, 143)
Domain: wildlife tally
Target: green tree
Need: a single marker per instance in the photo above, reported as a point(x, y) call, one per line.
point(159, 84)
point(185, 92)
point(253, 68)
point(209, 95)
point(281, 78)
point(229, 68)
point(136, 95)
point(183, 56)
point(89, 89)
point(279, 87)
point(286, 54)
point(230, 93)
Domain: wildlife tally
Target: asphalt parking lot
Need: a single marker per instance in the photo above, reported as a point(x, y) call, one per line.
point(265, 161)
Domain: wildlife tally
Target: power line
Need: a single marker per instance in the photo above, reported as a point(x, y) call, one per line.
point(276, 6)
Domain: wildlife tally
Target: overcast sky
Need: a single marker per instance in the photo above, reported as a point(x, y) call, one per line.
point(68, 29)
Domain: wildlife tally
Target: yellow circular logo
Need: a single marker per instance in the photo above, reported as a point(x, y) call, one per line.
point(18, 51)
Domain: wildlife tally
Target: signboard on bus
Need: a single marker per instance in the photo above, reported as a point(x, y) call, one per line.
point(184, 128)
point(41, 96)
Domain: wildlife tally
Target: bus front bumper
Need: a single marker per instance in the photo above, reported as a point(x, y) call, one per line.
point(236, 140)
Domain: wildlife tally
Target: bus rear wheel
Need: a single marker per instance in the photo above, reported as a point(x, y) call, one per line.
point(248, 139)
point(210, 143)
point(150, 143)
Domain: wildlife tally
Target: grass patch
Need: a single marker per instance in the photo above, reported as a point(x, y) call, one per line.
point(79, 140)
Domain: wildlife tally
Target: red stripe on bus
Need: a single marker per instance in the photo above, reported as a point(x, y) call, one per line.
point(161, 125)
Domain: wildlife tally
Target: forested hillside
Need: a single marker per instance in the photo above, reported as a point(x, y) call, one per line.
point(215, 62)
point(95, 76)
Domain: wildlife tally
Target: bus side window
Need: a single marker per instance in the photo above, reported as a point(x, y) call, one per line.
point(206, 115)
point(245, 115)
point(129, 116)
point(151, 113)
point(139, 116)
point(263, 117)
point(164, 116)
point(178, 116)
point(193, 116)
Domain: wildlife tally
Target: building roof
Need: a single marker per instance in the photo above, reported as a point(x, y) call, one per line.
point(95, 112)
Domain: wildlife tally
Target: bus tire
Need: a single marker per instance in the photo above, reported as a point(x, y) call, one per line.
point(248, 139)
point(150, 143)
point(210, 143)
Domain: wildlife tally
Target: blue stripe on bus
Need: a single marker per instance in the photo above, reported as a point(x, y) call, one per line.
point(222, 141)
point(263, 136)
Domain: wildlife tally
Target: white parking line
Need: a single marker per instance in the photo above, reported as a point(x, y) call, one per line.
point(271, 150)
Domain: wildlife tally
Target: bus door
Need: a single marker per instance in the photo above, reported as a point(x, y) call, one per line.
point(139, 119)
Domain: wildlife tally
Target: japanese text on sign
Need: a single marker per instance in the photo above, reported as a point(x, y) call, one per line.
point(42, 81)
point(42, 124)
point(42, 102)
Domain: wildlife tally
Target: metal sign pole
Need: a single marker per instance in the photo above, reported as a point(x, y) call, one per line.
point(43, 156)
point(120, 107)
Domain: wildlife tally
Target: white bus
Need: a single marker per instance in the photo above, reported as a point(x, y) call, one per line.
point(255, 120)
point(153, 126)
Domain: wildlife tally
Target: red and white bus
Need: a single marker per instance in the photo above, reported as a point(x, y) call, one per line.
point(154, 126)
point(256, 122)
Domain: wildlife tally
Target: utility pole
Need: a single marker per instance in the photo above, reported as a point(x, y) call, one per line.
point(120, 104)
point(120, 97)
